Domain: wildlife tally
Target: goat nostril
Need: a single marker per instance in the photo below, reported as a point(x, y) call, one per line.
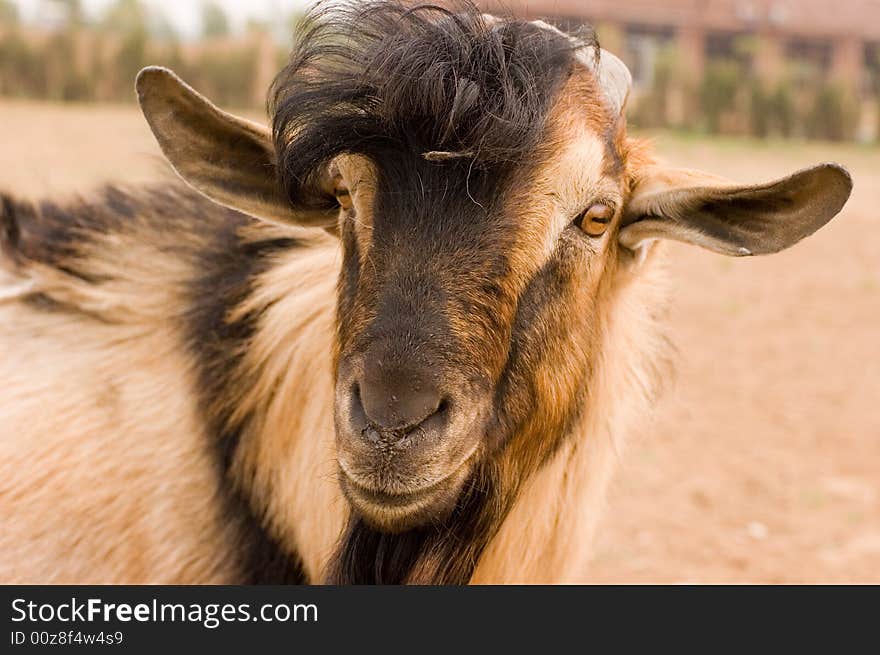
point(395, 400)
point(390, 417)
point(356, 406)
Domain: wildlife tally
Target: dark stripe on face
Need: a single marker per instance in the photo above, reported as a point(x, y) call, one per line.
point(434, 251)
point(437, 252)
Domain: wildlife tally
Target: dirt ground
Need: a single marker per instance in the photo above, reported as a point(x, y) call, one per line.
point(762, 463)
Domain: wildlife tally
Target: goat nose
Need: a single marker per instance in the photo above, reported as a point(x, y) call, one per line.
point(397, 401)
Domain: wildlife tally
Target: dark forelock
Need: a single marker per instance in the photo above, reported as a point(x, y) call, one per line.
point(366, 77)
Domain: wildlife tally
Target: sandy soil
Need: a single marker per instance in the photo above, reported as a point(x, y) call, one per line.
point(763, 461)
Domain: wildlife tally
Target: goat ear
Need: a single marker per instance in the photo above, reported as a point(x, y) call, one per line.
point(731, 219)
point(229, 159)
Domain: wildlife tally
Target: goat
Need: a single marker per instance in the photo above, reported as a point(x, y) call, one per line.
point(401, 338)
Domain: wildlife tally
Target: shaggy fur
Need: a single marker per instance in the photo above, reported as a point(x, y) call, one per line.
point(129, 275)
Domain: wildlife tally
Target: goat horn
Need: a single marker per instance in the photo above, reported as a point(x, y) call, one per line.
point(613, 76)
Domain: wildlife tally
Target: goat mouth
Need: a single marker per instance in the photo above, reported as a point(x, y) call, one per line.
point(391, 500)
point(400, 511)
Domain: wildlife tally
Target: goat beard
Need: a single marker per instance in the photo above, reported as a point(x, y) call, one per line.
point(444, 553)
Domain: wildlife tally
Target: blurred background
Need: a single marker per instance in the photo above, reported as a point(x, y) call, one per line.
point(762, 463)
point(803, 69)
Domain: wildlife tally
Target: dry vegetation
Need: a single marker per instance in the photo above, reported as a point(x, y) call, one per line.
point(763, 462)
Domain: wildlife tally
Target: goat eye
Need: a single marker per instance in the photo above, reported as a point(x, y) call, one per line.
point(343, 197)
point(594, 220)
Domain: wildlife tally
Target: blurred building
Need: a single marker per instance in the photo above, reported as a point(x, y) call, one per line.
point(840, 38)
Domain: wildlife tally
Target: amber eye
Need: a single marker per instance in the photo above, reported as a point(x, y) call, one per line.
point(343, 197)
point(595, 219)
